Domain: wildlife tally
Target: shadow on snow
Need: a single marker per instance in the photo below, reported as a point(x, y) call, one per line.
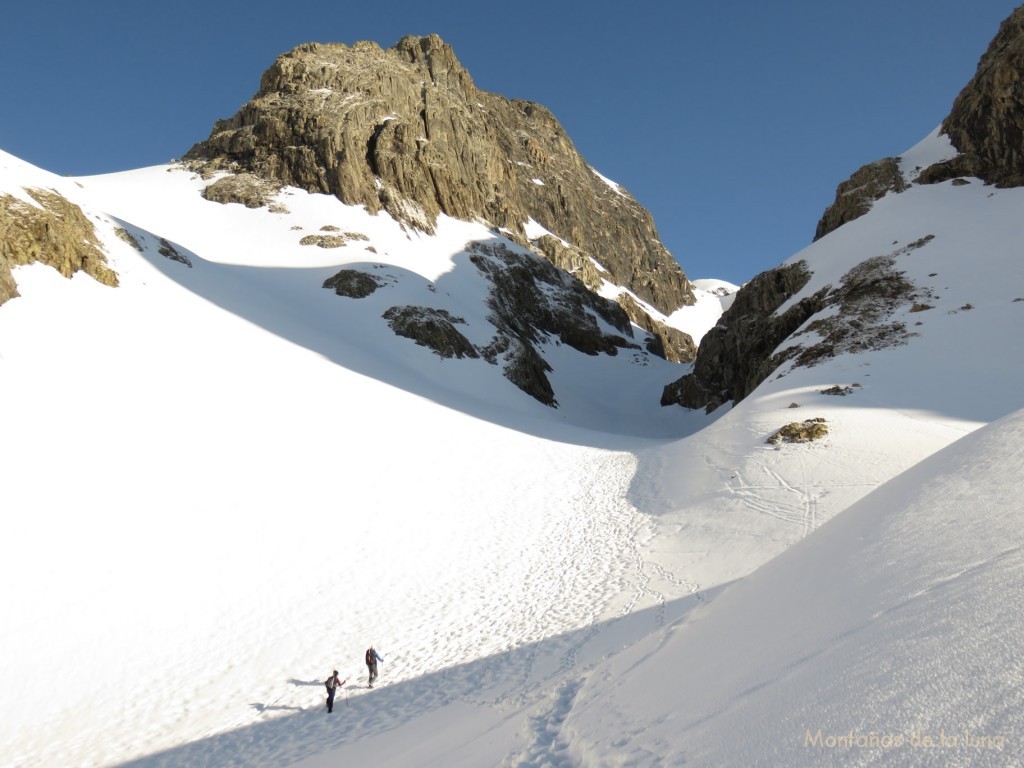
point(292, 304)
point(539, 681)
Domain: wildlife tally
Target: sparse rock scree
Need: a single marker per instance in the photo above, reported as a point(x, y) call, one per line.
point(406, 130)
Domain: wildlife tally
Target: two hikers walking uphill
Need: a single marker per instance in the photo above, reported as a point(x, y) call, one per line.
point(332, 683)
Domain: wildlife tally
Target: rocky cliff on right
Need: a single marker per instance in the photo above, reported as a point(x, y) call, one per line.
point(871, 280)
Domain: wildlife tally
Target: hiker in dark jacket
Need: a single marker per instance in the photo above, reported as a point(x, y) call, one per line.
point(372, 657)
point(333, 684)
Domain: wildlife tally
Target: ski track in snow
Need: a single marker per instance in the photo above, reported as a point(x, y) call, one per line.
point(770, 493)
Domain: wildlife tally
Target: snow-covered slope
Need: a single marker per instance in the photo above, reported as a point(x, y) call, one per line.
point(223, 481)
point(891, 636)
point(221, 478)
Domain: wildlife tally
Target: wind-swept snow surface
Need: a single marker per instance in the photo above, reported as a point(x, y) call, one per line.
point(891, 636)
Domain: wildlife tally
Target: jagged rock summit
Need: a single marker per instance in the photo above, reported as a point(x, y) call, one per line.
point(405, 130)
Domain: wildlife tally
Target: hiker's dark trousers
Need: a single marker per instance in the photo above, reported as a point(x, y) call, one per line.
point(330, 700)
point(373, 672)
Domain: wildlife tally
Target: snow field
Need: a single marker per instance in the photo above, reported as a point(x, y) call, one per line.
point(890, 636)
point(235, 518)
point(222, 482)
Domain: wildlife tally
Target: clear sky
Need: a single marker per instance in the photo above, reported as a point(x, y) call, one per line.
point(732, 121)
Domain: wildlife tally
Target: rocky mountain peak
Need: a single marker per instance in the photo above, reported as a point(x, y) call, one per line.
point(405, 130)
point(986, 123)
point(434, 54)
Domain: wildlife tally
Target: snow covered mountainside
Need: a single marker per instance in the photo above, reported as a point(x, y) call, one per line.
point(221, 476)
point(222, 480)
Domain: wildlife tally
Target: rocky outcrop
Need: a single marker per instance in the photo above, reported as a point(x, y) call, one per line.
point(856, 195)
point(737, 354)
point(531, 303)
point(168, 251)
point(669, 343)
point(800, 432)
point(664, 341)
point(986, 123)
point(432, 328)
point(406, 130)
point(353, 283)
point(866, 300)
point(56, 232)
point(244, 188)
point(8, 288)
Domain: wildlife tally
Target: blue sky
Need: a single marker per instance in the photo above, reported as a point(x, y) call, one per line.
point(732, 121)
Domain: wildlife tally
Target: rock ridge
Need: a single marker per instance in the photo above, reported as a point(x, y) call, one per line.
point(986, 122)
point(985, 125)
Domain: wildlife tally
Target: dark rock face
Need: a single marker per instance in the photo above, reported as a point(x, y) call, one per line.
point(668, 343)
point(353, 283)
point(736, 355)
point(986, 124)
point(525, 368)
point(58, 234)
point(168, 251)
point(433, 328)
point(406, 130)
point(533, 301)
point(856, 195)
